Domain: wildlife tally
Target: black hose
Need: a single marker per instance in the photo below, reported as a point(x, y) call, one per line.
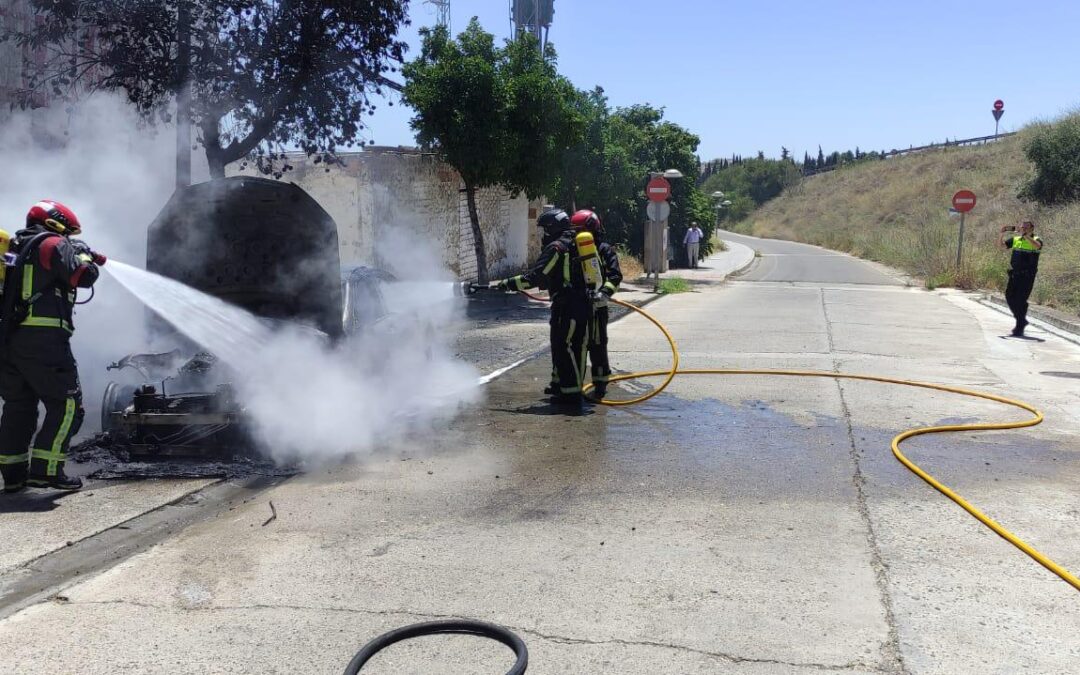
point(88, 299)
point(449, 626)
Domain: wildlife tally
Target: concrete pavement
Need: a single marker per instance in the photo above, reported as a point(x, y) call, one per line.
point(718, 266)
point(742, 524)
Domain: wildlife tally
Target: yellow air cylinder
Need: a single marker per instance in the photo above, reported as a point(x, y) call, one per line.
point(5, 248)
point(590, 261)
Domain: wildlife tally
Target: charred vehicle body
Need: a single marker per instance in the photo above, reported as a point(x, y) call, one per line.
point(262, 245)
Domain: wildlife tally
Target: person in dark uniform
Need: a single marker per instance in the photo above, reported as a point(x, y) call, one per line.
point(559, 271)
point(1025, 247)
point(36, 363)
point(598, 336)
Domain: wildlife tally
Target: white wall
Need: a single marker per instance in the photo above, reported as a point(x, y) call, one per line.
point(387, 193)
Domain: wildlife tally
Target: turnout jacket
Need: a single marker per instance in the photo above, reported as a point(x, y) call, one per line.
point(557, 270)
point(44, 286)
point(609, 259)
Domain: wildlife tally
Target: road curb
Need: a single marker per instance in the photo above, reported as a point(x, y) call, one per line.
point(741, 266)
point(1048, 316)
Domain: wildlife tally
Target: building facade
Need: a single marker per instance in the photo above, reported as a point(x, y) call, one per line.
point(384, 196)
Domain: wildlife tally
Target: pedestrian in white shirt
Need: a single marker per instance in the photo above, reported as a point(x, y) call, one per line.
point(693, 244)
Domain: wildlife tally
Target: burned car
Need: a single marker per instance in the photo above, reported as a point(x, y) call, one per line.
point(271, 250)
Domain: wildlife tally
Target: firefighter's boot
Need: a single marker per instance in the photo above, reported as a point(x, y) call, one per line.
point(14, 477)
point(57, 481)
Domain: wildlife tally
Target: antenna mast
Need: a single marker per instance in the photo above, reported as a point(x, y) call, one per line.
point(442, 9)
point(532, 16)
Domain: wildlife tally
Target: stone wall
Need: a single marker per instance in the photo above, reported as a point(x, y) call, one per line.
point(384, 196)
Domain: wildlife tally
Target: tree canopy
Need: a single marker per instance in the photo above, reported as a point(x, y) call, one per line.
point(263, 73)
point(498, 115)
point(607, 170)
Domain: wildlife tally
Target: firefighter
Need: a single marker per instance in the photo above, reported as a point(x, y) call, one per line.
point(559, 271)
point(598, 337)
point(36, 363)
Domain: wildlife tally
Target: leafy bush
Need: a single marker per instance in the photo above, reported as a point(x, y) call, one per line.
point(1054, 149)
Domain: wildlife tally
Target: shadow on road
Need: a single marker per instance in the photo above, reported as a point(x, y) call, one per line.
point(31, 501)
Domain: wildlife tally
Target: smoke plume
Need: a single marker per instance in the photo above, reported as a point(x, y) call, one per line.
point(116, 175)
point(307, 400)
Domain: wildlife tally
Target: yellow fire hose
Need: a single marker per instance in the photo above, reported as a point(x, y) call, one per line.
point(674, 370)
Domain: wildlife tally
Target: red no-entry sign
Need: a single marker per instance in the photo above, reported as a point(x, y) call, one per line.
point(963, 201)
point(658, 189)
point(999, 104)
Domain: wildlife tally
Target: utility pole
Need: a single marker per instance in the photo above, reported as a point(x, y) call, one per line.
point(183, 95)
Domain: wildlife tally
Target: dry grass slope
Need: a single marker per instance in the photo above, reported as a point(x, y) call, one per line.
point(896, 212)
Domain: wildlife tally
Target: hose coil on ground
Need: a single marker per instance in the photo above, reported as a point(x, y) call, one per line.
point(445, 627)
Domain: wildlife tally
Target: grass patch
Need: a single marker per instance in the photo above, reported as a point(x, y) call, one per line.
point(895, 212)
point(673, 285)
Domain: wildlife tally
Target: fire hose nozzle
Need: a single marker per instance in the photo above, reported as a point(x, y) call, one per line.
point(467, 288)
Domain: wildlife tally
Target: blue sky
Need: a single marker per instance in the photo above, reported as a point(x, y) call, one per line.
point(748, 75)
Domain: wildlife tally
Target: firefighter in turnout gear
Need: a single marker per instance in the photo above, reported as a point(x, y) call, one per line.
point(598, 336)
point(559, 271)
point(36, 363)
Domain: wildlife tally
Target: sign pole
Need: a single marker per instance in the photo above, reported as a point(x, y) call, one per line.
point(963, 201)
point(960, 246)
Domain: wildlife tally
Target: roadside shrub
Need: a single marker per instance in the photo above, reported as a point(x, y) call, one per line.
point(1054, 149)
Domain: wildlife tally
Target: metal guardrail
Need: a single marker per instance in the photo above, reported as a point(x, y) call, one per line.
point(921, 148)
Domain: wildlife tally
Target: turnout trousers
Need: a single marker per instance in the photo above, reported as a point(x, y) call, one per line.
point(570, 315)
point(38, 366)
point(1017, 293)
point(598, 354)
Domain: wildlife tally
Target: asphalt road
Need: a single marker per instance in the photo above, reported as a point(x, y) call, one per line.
point(790, 261)
point(730, 525)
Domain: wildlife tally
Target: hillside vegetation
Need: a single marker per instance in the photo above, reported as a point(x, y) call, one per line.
point(896, 212)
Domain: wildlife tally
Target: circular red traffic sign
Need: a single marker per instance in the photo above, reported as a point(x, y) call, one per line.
point(999, 104)
point(658, 189)
point(963, 201)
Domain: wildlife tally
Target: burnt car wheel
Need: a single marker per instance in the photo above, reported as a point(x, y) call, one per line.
point(116, 398)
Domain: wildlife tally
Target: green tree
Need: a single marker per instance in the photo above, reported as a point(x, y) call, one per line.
point(500, 116)
point(1054, 150)
point(608, 169)
point(759, 180)
point(263, 73)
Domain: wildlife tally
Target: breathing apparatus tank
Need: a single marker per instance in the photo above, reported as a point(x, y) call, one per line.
point(8, 256)
point(590, 261)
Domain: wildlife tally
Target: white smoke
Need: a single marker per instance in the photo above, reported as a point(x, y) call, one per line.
point(116, 175)
point(308, 400)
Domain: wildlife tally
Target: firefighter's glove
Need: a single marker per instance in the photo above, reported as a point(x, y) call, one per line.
point(503, 285)
point(87, 255)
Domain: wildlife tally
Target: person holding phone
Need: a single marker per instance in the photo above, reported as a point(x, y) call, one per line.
point(1025, 247)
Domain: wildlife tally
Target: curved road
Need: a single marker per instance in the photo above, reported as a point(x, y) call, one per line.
point(789, 261)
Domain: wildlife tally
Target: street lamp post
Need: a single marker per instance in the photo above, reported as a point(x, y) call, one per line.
point(721, 204)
